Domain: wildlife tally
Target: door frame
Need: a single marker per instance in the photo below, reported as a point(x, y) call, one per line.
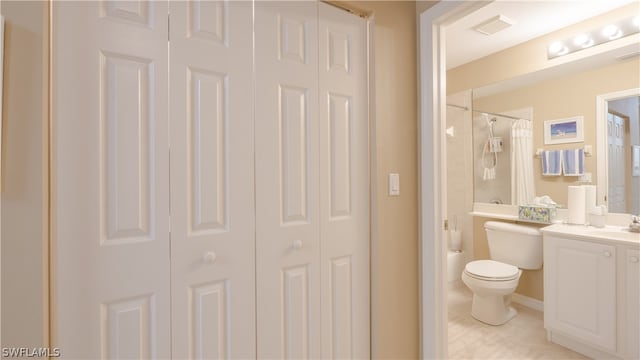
point(602, 108)
point(432, 25)
point(1, 97)
point(373, 208)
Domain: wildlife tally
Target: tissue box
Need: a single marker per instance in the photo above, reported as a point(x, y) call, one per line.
point(536, 213)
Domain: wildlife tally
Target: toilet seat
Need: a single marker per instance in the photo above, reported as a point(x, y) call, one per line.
point(490, 270)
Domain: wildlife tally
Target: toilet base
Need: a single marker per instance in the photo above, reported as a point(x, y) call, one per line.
point(492, 310)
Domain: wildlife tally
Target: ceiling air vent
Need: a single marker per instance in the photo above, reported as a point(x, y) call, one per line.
point(493, 25)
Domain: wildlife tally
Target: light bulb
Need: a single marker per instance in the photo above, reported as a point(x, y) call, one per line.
point(636, 21)
point(583, 40)
point(558, 48)
point(611, 32)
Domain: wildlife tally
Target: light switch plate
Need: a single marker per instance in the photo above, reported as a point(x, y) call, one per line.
point(394, 184)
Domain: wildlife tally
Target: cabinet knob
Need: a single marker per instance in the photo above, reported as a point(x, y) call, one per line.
point(209, 257)
point(297, 244)
point(607, 254)
point(633, 259)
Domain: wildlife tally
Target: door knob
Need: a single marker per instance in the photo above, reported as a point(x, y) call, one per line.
point(209, 257)
point(297, 244)
point(607, 254)
point(633, 259)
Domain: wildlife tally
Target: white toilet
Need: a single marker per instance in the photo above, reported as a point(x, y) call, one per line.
point(512, 247)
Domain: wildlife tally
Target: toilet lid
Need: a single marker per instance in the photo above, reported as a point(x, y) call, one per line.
point(490, 269)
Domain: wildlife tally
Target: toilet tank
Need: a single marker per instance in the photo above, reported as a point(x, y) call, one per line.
point(514, 244)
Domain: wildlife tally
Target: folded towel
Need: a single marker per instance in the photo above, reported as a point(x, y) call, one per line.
point(573, 162)
point(551, 162)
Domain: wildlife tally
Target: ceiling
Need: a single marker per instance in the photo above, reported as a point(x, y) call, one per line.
point(533, 18)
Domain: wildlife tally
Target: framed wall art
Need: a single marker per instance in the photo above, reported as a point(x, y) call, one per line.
point(562, 131)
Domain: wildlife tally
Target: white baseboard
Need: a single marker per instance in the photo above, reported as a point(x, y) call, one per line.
point(579, 347)
point(529, 302)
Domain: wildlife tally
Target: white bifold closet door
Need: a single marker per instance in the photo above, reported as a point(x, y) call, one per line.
point(312, 182)
point(212, 186)
point(125, 287)
point(110, 180)
point(190, 220)
point(287, 224)
point(344, 184)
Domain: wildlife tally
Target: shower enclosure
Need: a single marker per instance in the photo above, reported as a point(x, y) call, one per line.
point(496, 178)
point(492, 164)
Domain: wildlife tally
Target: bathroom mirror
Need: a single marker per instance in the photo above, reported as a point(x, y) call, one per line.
point(573, 93)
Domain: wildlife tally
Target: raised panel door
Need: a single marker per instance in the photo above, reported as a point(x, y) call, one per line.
point(631, 309)
point(212, 202)
point(286, 165)
point(110, 167)
point(344, 184)
point(616, 159)
point(580, 290)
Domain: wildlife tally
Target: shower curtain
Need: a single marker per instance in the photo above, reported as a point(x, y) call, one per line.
point(522, 186)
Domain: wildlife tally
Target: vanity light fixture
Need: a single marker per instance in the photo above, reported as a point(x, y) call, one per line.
point(599, 36)
point(583, 40)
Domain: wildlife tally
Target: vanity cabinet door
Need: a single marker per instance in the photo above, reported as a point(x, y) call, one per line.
point(580, 290)
point(631, 291)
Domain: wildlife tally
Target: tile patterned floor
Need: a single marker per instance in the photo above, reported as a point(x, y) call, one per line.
point(523, 337)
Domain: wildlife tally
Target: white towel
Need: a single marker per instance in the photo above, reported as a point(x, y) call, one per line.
point(551, 163)
point(573, 162)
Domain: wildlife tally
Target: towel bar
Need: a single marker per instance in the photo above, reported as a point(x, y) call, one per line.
point(587, 151)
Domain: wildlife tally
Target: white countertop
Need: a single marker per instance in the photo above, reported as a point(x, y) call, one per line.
point(510, 212)
point(617, 234)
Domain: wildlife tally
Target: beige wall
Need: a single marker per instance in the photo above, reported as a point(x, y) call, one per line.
point(24, 175)
point(395, 318)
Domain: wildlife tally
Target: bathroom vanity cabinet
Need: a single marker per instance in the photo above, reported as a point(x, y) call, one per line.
point(591, 290)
